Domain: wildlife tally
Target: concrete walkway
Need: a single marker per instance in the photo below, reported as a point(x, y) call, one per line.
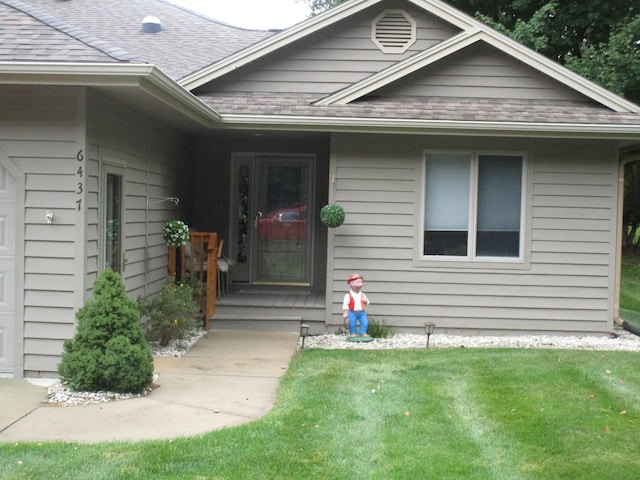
point(228, 378)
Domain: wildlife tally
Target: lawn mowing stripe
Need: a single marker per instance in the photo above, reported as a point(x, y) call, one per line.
point(497, 451)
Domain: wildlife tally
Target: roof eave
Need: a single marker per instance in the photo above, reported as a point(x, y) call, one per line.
point(147, 78)
point(431, 127)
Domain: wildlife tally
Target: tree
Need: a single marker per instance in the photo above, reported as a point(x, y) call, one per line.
point(319, 6)
point(109, 351)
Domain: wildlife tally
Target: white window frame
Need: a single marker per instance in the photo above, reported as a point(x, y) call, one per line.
point(471, 260)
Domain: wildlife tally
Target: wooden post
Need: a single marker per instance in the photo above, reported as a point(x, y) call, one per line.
point(172, 261)
point(212, 277)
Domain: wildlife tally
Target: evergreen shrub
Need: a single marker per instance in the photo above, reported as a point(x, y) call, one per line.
point(109, 351)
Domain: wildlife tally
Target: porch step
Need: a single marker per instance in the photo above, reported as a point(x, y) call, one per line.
point(260, 323)
point(269, 312)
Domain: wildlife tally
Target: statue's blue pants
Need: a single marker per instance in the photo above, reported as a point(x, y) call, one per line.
point(360, 317)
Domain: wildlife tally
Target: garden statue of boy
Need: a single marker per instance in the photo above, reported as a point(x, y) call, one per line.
point(354, 305)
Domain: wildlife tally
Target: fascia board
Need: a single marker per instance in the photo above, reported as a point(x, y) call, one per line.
point(389, 126)
point(401, 69)
point(94, 74)
point(275, 42)
point(510, 47)
point(147, 78)
point(559, 73)
point(448, 13)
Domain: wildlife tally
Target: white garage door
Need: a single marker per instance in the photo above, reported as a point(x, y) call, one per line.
point(7, 271)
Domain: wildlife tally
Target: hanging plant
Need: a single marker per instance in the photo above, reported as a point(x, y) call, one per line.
point(175, 233)
point(332, 215)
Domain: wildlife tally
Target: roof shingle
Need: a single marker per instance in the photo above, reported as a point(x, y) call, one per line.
point(421, 108)
point(187, 42)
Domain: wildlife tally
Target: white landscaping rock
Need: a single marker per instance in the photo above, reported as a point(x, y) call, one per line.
point(60, 394)
point(620, 340)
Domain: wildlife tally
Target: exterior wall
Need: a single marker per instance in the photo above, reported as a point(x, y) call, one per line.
point(156, 162)
point(565, 283)
point(42, 132)
point(336, 58)
point(480, 71)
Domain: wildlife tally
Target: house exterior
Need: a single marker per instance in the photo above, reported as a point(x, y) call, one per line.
point(481, 181)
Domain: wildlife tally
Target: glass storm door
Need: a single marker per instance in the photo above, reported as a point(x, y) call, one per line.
point(274, 236)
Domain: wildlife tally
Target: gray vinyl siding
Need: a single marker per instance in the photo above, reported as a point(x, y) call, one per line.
point(480, 71)
point(565, 286)
point(41, 134)
point(156, 165)
point(339, 57)
point(42, 130)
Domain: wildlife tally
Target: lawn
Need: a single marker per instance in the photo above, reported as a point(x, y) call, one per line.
point(404, 414)
point(630, 289)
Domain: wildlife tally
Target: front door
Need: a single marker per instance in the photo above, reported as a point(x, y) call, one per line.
point(273, 195)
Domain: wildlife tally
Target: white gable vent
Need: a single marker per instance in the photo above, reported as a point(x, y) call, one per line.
point(151, 24)
point(393, 31)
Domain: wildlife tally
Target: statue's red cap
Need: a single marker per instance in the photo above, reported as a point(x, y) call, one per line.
point(353, 277)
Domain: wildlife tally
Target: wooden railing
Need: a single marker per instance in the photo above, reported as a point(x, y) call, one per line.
point(200, 259)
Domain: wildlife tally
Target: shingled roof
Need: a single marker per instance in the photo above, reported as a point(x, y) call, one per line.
point(415, 113)
point(107, 31)
point(29, 34)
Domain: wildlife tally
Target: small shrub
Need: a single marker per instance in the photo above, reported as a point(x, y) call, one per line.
point(109, 351)
point(172, 313)
point(379, 328)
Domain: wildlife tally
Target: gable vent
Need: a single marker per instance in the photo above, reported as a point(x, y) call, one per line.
point(393, 31)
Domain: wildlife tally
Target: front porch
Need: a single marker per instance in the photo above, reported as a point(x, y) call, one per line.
point(264, 310)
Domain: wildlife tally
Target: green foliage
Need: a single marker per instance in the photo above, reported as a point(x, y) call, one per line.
point(472, 414)
point(631, 208)
point(109, 351)
point(630, 289)
point(615, 62)
point(379, 328)
point(175, 233)
point(319, 6)
point(172, 313)
point(332, 215)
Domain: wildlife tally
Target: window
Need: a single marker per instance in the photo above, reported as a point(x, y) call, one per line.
point(473, 205)
point(111, 227)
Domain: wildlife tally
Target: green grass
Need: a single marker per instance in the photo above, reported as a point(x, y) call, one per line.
point(630, 289)
point(397, 414)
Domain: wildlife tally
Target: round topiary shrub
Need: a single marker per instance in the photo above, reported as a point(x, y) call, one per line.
point(109, 351)
point(332, 215)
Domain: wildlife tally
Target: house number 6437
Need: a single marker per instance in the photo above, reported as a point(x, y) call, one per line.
point(80, 174)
